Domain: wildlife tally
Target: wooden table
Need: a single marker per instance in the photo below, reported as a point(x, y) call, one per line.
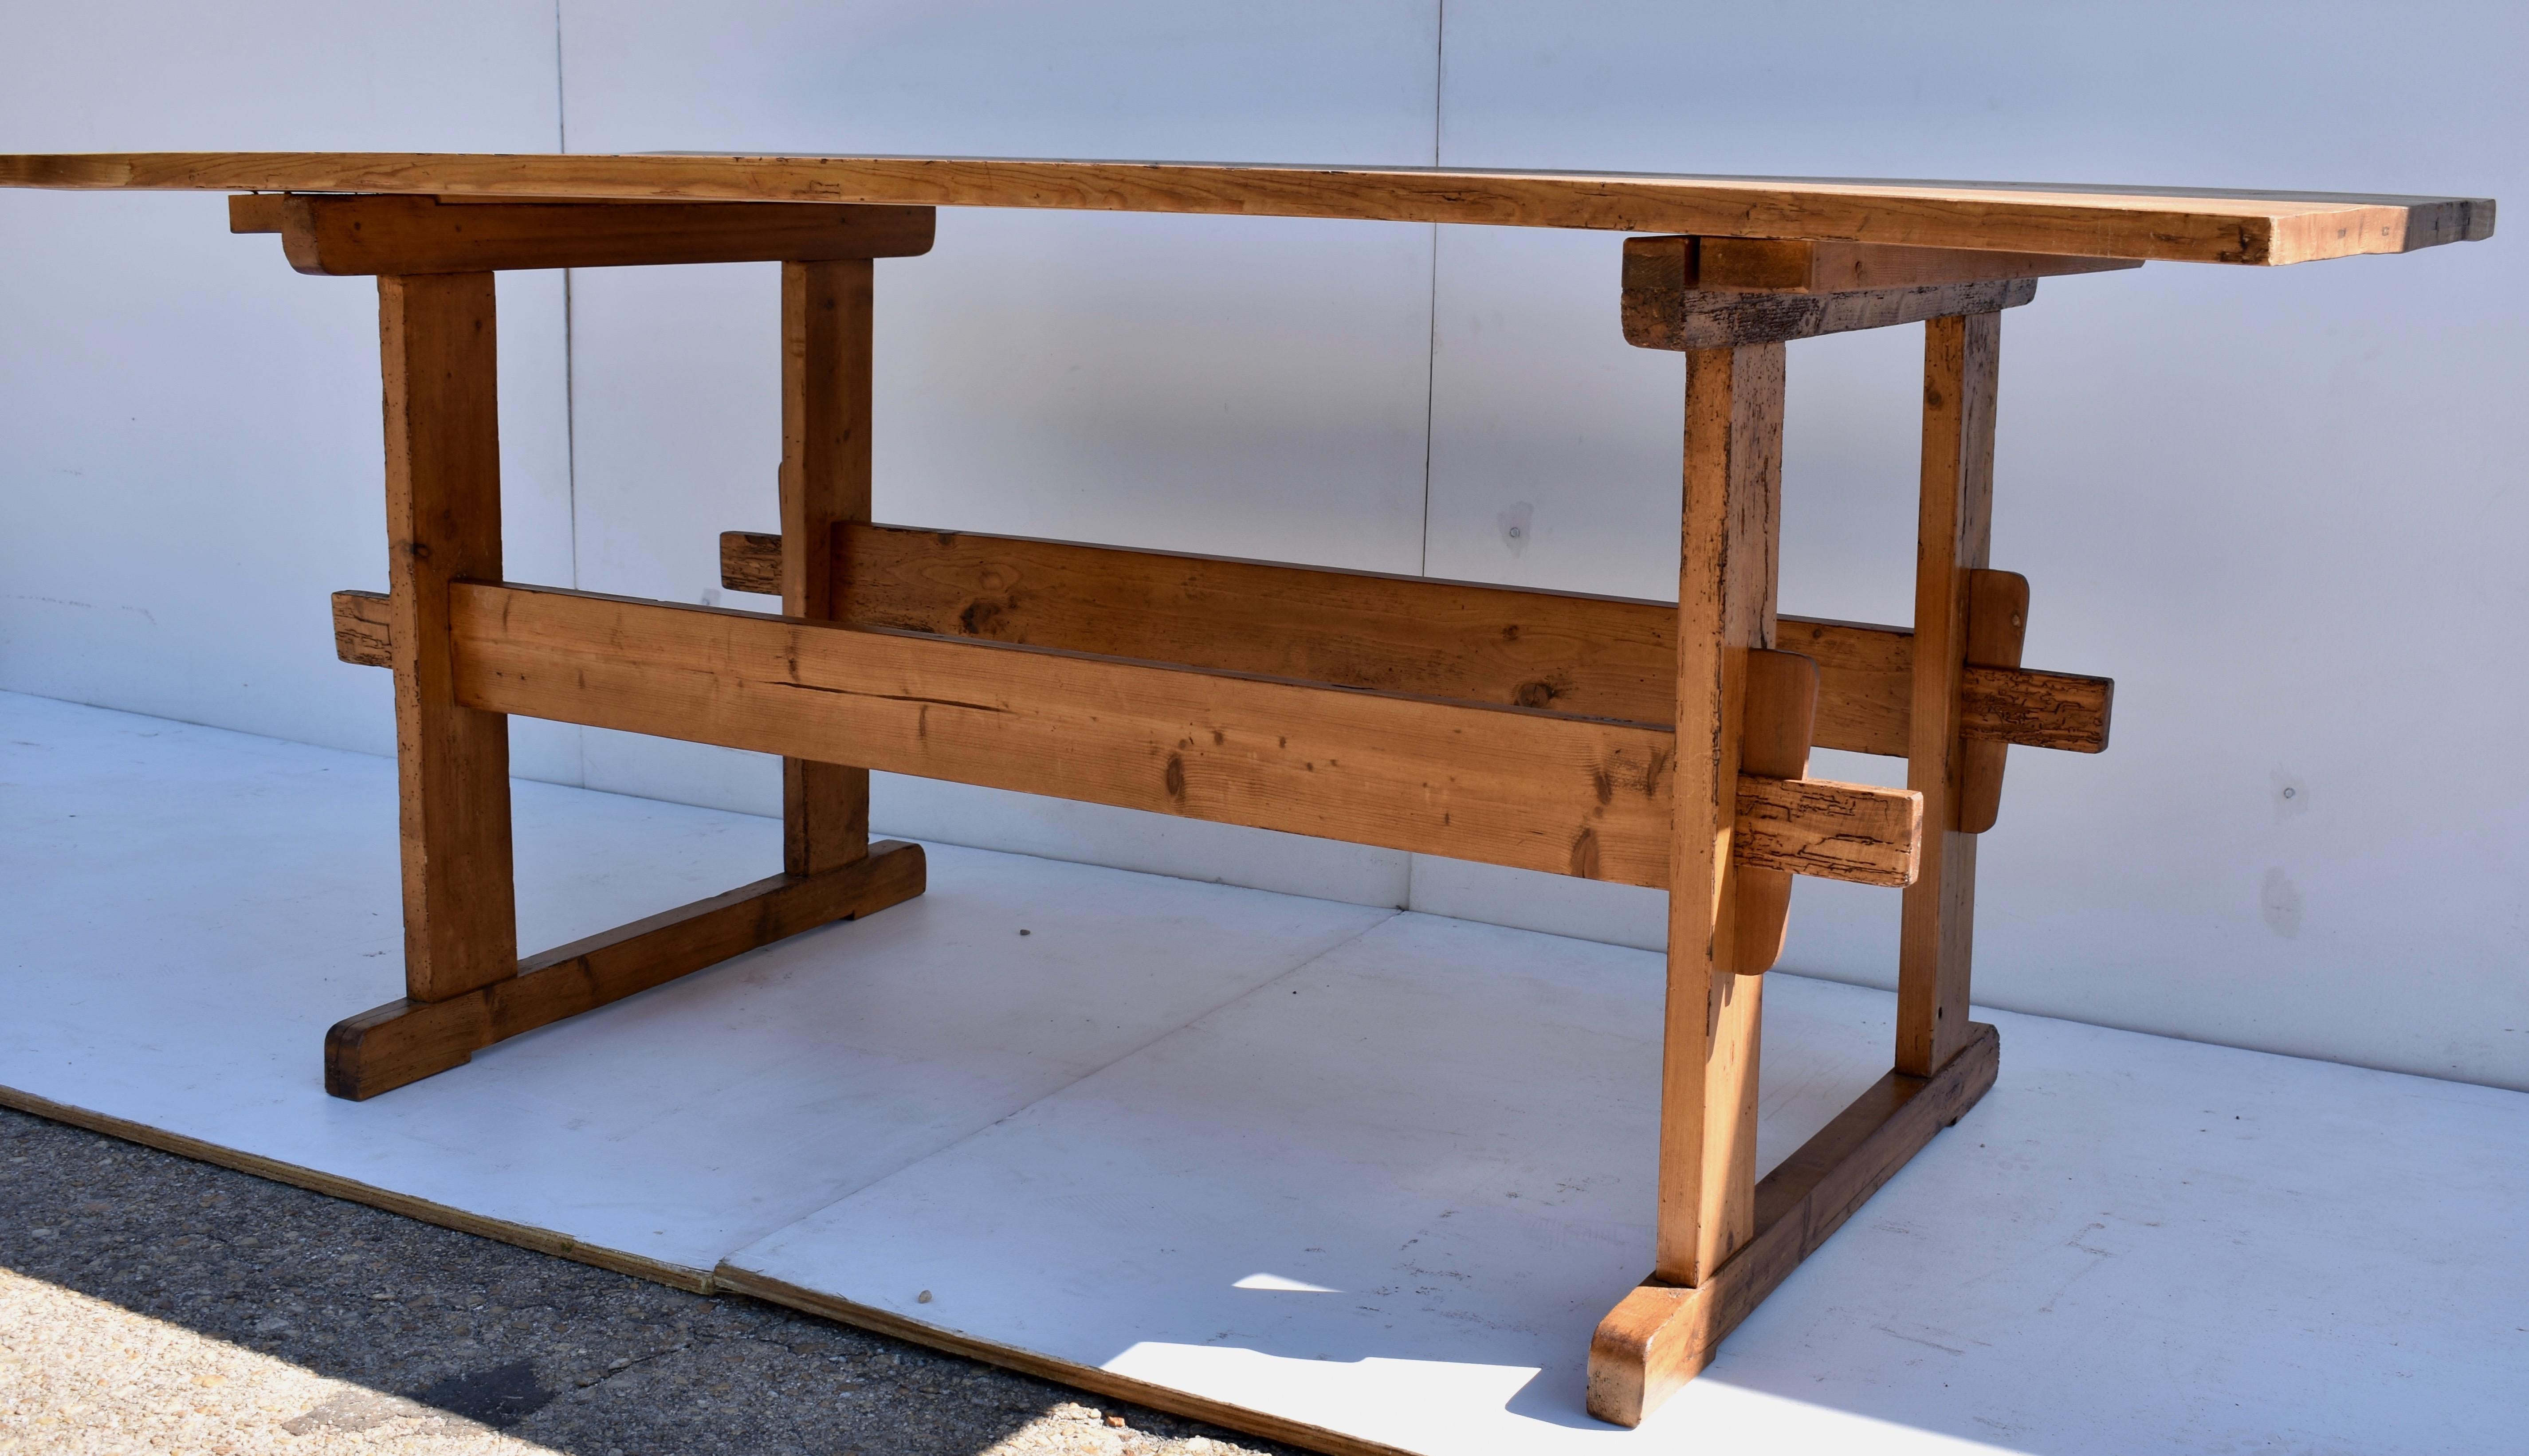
point(1626, 741)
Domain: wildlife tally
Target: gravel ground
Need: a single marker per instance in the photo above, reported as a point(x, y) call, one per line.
point(148, 1303)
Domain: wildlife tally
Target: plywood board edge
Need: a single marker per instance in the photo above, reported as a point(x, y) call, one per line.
point(332, 1185)
point(734, 1280)
point(725, 1279)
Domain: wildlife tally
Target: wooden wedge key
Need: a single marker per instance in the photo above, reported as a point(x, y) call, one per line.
point(1774, 743)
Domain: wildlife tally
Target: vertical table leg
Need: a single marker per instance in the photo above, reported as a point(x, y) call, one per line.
point(826, 317)
point(444, 522)
point(1665, 1330)
point(1960, 370)
point(1733, 489)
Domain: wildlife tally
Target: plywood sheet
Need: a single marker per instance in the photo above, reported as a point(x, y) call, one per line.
point(1320, 1171)
point(188, 909)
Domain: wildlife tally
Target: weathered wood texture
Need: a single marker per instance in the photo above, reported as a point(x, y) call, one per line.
point(1792, 266)
point(1595, 656)
point(1661, 1335)
point(1865, 681)
point(1863, 705)
point(364, 628)
point(1729, 543)
point(2036, 710)
point(751, 561)
point(1962, 360)
point(1815, 827)
point(1695, 319)
point(343, 236)
point(1663, 307)
point(1775, 731)
point(2181, 224)
point(1997, 628)
point(1823, 829)
point(406, 1041)
point(1538, 790)
point(826, 384)
point(1600, 657)
point(443, 479)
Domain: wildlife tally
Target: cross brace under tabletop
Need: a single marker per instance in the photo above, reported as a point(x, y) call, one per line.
point(1632, 742)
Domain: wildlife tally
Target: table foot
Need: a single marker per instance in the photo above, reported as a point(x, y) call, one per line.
point(1661, 1335)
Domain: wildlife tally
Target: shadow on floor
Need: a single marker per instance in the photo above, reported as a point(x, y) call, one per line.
point(426, 1322)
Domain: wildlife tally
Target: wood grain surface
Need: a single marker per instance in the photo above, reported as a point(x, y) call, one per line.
point(1663, 1333)
point(828, 313)
point(443, 478)
point(2178, 224)
point(1997, 630)
point(1729, 543)
point(1954, 537)
point(1656, 317)
point(1570, 651)
point(1780, 265)
point(335, 236)
point(1864, 673)
point(1775, 733)
point(1504, 785)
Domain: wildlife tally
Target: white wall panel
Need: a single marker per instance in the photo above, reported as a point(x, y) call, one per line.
point(190, 439)
point(1252, 387)
point(2284, 509)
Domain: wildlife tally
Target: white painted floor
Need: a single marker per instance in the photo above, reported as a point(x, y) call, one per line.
point(1371, 1171)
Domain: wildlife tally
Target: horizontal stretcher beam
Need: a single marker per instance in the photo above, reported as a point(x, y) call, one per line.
point(1502, 785)
point(1600, 657)
point(1603, 657)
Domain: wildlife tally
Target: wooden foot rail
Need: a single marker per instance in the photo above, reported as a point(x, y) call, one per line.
point(406, 1041)
point(1661, 1335)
